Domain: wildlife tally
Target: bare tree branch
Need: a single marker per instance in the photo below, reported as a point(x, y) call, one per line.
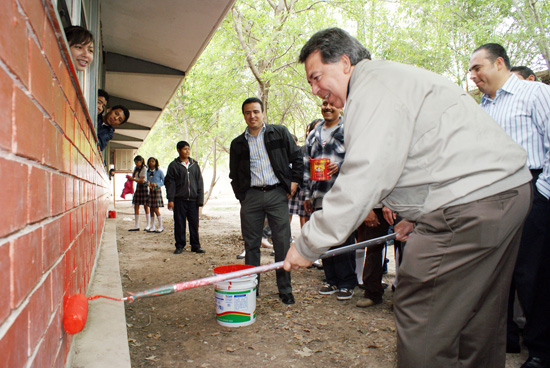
point(237, 22)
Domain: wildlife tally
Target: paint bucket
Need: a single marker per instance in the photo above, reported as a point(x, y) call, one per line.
point(235, 298)
point(112, 214)
point(318, 169)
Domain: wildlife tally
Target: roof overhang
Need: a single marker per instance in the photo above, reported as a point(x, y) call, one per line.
point(149, 47)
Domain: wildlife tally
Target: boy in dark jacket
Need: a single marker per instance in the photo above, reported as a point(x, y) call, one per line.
point(185, 194)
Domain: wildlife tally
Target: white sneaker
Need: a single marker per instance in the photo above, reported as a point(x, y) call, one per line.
point(266, 243)
point(147, 229)
point(153, 229)
point(160, 230)
point(242, 255)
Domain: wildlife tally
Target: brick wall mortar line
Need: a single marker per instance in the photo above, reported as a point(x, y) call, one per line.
point(4, 327)
point(25, 161)
point(35, 38)
point(31, 357)
point(15, 313)
point(29, 228)
point(18, 84)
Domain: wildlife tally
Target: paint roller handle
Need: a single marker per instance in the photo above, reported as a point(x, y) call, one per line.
point(361, 245)
point(170, 289)
point(174, 288)
point(277, 265)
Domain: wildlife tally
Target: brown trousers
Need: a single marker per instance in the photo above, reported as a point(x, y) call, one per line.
point(452, 290)
point(372, 268)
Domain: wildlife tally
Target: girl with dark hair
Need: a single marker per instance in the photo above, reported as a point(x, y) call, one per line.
point(155, 179)
point(81, 44)
point(142, 193)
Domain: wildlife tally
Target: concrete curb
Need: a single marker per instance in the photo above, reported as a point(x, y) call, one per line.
point(104, 340)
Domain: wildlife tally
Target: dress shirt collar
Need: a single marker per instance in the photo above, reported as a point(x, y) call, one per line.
point(247, 132)
point(511, 86)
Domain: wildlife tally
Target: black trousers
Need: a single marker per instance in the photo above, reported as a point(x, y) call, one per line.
point(373, 267)
point(340, 269)
point(530, 279)
point(537, 328)
point(254, 209)
point(186, 211)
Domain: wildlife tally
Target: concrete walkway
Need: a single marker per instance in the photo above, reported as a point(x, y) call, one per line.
point(104, 340)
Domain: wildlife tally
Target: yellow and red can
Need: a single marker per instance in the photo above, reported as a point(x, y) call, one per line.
point(318, 169)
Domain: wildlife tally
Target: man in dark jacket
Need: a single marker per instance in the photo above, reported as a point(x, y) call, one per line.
point(185, 194)
point(259, 162)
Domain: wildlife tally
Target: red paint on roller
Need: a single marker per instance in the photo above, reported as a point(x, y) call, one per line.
point(76, 312)
point(231, 268)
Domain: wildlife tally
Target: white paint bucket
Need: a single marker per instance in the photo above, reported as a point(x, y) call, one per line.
point(235, 298)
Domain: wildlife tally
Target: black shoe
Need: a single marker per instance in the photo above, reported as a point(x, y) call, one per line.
point(198, 250)
point(134, 229)
point(534, 362)
point(287, 298)
point(272, 254)
point(385, 267)
point(178, 251)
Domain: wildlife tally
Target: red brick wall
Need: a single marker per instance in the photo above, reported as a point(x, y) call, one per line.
point(54, 186)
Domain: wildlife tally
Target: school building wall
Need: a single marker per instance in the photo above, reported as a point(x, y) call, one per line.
point(53, 183)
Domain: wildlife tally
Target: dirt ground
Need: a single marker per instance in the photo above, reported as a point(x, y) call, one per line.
point(180, 330)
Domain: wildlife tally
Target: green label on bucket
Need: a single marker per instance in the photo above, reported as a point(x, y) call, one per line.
point(236, 302)
point(234, 292)
point(235, 317)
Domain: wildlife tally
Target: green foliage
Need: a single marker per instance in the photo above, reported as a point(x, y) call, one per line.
point(255, 50)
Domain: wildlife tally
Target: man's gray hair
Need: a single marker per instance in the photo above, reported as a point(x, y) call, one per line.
point(333, 43)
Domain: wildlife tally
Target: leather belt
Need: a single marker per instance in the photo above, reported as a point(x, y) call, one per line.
point(267, 188)
point(317, 204)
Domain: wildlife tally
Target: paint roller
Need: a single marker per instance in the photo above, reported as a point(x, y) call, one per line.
point(76, 306)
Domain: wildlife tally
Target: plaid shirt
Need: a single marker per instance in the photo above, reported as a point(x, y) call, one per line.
point(333, 149)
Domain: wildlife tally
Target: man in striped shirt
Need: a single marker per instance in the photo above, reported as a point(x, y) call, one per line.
point(263, 182)
point(522, 109)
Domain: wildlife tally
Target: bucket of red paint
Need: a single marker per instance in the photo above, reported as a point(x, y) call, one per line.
point(112, 214)
point(318, 169)
point(235, 298)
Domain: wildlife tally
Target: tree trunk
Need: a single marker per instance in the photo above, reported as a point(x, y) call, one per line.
point(535, 26)
point(214, 170)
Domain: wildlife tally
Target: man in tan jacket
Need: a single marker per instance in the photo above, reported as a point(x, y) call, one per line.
point(420, 145)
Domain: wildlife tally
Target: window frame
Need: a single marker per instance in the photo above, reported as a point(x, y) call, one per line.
point(85, 13)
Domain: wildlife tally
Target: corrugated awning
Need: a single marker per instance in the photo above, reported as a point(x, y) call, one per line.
point(149, 47)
